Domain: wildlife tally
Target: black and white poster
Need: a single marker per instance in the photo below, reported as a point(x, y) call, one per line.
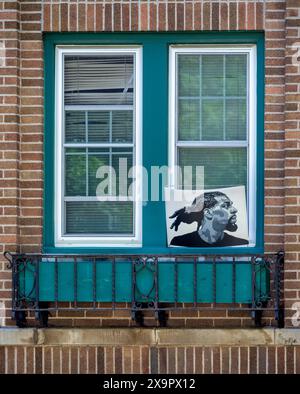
point(208, 218)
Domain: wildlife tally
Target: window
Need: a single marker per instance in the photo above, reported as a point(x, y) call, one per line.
point(98, 102)
point(152, 100)
point(213, 118)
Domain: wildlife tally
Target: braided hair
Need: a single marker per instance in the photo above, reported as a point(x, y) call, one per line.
point(195, 212)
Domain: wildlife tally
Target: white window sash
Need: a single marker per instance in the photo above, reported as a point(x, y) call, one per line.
point(62, 240)
point(251, 140)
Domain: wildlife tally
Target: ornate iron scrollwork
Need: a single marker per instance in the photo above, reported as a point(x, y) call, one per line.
point(266, 269)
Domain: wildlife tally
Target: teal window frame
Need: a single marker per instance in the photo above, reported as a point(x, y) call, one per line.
point(155, 79)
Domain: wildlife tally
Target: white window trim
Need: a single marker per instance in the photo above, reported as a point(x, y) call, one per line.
point(252, 126)
point(96, 241)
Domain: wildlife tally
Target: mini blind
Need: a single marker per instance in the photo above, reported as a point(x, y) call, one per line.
point(98, 80)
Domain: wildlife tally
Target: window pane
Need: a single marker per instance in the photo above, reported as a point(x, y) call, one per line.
point(223, 167)
point(188, 120)
point(212, 75)
point(212, 120)
point(75, 172)
point(98, 79)
point(236, 75)
point(100, 218)
point(236, 119)
point(75, 126)
point(188, 75)
point(122, 159)
point(216, 110)
point(98, 126)
point(122, 126)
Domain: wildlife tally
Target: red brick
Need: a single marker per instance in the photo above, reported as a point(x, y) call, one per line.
point(189, 16)
point(145, 360)
point(144, 16)
point(134, 11)
point(125, 17)
point(206, 16)
point(74, 360)
point(73, 22)
point(197, 16)
point(55, 17)
point(171, 361)
point(82, 17)
point(198, 360)
point(215, 16)
point(153, 16)
point(117, 16)
point(224, 16)
point(180, 16)
point(64, 17)
point(250, 16)
point(260, 16)
point(244, 360)
point(232, 16)
point(171, 16)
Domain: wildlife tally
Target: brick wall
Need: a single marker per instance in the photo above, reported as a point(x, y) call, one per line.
point(292, 162)
point(21, 115)
point(65, 351)
point(149, 360)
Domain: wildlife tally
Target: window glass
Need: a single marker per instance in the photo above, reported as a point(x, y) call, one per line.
point(212, 97)
point(211, 116)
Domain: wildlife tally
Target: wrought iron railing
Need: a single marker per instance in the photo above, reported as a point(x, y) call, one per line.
point(43, 284)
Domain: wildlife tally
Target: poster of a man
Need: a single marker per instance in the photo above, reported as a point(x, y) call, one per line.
point(210, 220)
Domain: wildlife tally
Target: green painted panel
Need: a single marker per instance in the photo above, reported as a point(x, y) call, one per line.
point(104, 281)
point(225, 274)
point(123, 282)
point(47, 281)
point(243, 288)
point(166, 288)
point(185, 282)
point(204, 286)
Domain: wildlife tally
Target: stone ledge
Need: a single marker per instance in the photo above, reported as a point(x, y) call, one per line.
point(148, 337)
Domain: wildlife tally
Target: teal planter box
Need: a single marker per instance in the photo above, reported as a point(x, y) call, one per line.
point(105, 281)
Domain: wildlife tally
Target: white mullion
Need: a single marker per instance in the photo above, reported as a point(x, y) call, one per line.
point(200, 88)
point(95, 198)
point(81, 107)
point(99, 145)
point(86, 156)
point(212, 144)
point(209, 97)
point(60, 139)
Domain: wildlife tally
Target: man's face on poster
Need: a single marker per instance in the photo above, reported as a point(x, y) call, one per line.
point(223, 214)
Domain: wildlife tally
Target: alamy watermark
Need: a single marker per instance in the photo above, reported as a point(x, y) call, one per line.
point(296, 55)
point(123, 183)
point(296, 315)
